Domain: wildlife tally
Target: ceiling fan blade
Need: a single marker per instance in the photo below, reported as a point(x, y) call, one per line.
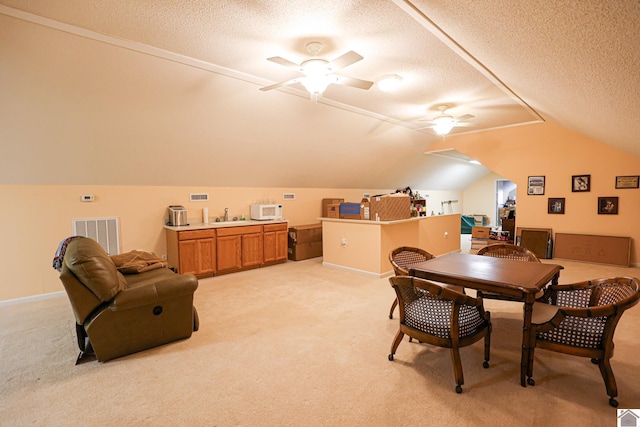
point(285, 62)
point(345, 60)
point(350, 81)
point(465, 117)
point(285, 83)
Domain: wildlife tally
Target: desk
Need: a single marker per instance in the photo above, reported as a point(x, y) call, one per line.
point(508, 277)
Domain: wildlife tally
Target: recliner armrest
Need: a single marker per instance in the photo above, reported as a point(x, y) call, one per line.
point(155, 293)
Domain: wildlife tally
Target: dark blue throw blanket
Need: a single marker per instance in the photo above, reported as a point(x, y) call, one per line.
point(62, 248)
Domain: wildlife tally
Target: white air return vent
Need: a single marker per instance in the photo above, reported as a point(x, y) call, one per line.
point(105, 231)
point(198, 197)
point(288, 196)
point(366, 195)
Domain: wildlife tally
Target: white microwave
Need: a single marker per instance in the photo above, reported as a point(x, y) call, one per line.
point(266, 212)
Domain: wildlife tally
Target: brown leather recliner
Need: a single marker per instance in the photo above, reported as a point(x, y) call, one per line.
point(120, 314)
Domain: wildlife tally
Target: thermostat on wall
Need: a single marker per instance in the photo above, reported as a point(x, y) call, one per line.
point(86, 198)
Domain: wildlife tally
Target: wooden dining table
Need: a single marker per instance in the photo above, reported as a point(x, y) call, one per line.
point(519, 279)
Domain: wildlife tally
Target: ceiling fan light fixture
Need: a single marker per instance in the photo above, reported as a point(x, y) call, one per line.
point(389, 83)
point(443, 124)
point(315, 85)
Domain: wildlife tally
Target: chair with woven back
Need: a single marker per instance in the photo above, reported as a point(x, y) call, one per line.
point(580, 319)
point(506, 251)
point(440, 316)
point(401, 259)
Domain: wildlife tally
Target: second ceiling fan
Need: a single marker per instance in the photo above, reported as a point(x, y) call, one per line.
point(318, 73)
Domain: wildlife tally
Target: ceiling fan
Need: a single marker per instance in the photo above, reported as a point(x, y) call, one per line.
point(318, 73)
point(443, 123)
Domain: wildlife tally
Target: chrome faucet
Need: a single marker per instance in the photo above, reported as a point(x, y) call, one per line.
point(226, 214)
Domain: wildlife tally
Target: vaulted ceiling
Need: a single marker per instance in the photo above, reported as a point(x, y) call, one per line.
point(172, 87)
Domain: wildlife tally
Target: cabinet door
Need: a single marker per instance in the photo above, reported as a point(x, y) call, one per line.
point(206, 256)
point(269, 246)
point(188, 254)
point(251, 249)
point(282, 245)
point(228, 253)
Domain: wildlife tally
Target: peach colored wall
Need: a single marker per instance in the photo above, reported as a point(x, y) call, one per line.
point(36, 218)
point(557, 153)
point(440, 234)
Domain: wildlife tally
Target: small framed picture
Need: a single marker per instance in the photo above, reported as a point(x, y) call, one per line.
point(608, 205)
point(627, 181)
point(556, 205)
point(580, 183)
point(535, 186)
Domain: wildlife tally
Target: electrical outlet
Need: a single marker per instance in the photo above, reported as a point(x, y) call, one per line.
point(343, 242)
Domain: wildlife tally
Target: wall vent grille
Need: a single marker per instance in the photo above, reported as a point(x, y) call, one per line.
point(288, 196)
point(105, 231)
point(366, 195)
point(199, 197)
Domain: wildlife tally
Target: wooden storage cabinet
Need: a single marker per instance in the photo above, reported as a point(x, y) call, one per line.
point(275, 243)
point(211, 251)
point(239, 248)
point(192, 251)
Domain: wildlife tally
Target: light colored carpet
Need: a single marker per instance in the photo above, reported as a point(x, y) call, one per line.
point(300, 344)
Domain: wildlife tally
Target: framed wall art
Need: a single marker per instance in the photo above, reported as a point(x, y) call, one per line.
point(580, 183)
point(607, 205)
point(556, 205)
point(627, 181)
point(535, 186)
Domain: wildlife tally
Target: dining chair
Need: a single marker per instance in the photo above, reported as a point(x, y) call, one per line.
point(440, 316)
point(580, 319)
point(506, 251)
point(401, 259)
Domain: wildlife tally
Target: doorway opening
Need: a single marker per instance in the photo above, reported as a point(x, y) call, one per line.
point(506, 207)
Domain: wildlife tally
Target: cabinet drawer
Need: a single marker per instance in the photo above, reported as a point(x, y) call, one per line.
point(196, 234)
point(233, 231)
point(275, 227)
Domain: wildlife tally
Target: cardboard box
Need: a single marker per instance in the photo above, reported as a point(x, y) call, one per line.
point(325, 206)
point(390, 207)
point(480, 232)
point(499, 235)
point(305, 234)
point(333, 211)
point(355, 210)
point(306, 250)
point(350, 211)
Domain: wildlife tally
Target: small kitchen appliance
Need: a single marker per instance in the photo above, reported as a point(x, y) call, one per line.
point(266, 212)
point(177, 215)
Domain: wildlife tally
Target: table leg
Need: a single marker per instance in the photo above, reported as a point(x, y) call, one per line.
point(526, 330)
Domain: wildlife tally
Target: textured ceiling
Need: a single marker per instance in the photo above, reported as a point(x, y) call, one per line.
point(506, 63)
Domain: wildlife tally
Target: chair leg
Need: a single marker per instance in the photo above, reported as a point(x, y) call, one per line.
point(396, 342)
point(609, 380)
point(393, 307)
point(487, 350)
point(457, 368)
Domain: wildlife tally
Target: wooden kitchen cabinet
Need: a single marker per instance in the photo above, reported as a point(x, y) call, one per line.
point(210, 251)
point(275, 243)
point(192, 251)
point(239, 248)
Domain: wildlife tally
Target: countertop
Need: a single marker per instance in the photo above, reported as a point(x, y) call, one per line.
point(203, 226)
point(369, 222)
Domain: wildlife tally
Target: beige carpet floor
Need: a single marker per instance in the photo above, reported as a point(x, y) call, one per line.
point(300, 344)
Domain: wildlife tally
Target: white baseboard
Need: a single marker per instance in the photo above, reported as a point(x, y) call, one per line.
point(31, 298)
point(355, 270)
